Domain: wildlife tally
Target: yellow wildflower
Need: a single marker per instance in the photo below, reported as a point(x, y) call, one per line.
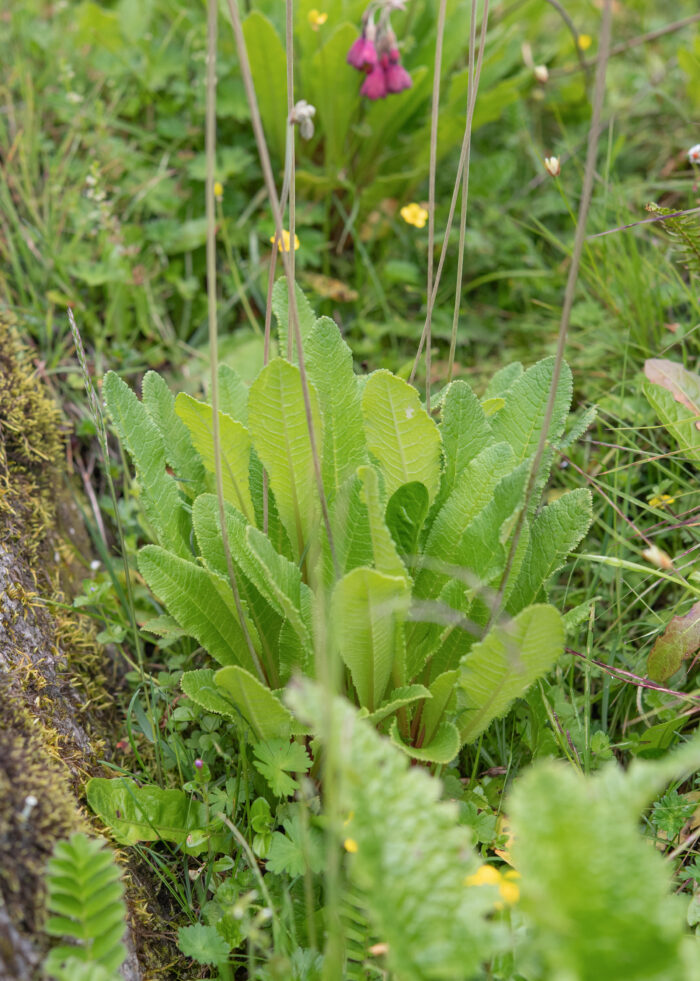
point(487, 875)
point(585, 41)
point(283, 246)
point(350, 845)
point(660, 500)
point(317, 19)
point(218, 190)
point(413, 214)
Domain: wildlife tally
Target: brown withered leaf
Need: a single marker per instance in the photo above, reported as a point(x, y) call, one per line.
point(331, 289)
point(683, 385)
point(680, 640)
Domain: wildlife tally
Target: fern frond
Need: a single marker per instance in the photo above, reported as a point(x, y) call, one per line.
point(85, 896)
point(684, 232)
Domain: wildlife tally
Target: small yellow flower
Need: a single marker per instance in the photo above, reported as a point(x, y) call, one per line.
point(317, 19)
point(283, 246)
point(218, 190)
point(660, 500)
point(350, 845)
point(413, 214)
point(553, 166)
point(487, 875)
point(508, 888)
point(585, 41)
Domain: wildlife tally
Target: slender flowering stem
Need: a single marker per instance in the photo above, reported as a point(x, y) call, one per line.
point(569, 294)
point(277, 215)
point(210, 147)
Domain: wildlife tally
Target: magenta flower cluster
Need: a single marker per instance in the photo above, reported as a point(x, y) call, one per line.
point(375, 53)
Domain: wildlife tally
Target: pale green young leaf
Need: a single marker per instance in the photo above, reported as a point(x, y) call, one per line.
point(589, 877)
point(280, 308)
point(191, 596)
point(276, 760)
point(329, 365)
point(234, 440)
point(280, 433)
point(351, 530)
point(368, 609)
point(297, 850)
point(280, 582)
point(400, 433)
point(385, 556)
point(139, 433)
point(275, 529)
point(502, 666)
point(442, 690)
point(465, 432)
point(203, 944)
point(442, 748)
point(179, 451)
point(233, 394)
point(399, 698)
point(200, 686)
point(521, 419)
point(556, 530)
point(260, 708)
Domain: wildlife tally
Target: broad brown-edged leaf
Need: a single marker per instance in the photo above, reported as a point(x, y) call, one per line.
point(680, 640)
point(683, 385)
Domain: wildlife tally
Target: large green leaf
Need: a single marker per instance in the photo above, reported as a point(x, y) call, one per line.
point(200, 686)
point(142, 438)
point(502, 666)
point(680, 421)
point(234, 446)
point(268, 64)
point(465, 432)
point(406, 511)
point(179, 451)
point(400, 433)
point(233, 394)
point(280, 433)
point(351, 531)
point(329, 364)
point(473, 490)
point(280, 307)
point(276, 579)
point(147, 813)
point(384, 553)
point(521, 419)
point(557, 529)
point(265, 714)
point(335, 94)
point(441, 692)
point(192, 597)
point(367, 613)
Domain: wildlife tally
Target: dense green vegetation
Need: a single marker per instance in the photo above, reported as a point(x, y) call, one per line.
point(410, 685)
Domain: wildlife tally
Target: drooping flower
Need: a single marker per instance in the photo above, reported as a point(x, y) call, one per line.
point(317, 19)
point(302, 115)
point(363, 54)
point(374, 86)
point(283, 246)
point(396, 77)
point(694, 154)
point(553, 166)
point(541, 73)
point(413, 214)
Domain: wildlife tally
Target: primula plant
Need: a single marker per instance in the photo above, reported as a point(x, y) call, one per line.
point(376, 53)
point(376, 542)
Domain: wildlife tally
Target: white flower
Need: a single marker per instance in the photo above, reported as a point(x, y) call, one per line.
point(694, 154)
point(303, 116)
point(541, 73)
point(552, 166)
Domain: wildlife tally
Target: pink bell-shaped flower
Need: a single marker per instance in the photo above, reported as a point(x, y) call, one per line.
point(374, 86)
point(363, 55)
point(396, 77)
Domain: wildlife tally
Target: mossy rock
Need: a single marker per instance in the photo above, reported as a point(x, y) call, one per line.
point(53, 726)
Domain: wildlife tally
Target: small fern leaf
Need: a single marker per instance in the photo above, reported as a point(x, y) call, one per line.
point(85, 894)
